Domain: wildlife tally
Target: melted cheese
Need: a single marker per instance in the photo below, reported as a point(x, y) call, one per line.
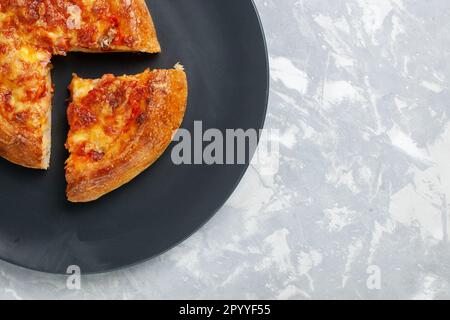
point(26, 84)
point(31, 55)
point(74, 20)
point(81, 88)
point(116, 103)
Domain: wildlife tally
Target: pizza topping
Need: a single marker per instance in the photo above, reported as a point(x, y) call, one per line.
point(35, 94)
point(82, 116)
point(86, 36)
point(141, 118)
point(33, 10)
point(116, 97)
point(106, 112)
point(3, 48)
point(22, 116)
point(129, 41)
point(74, 20)
point(54, 15)
point(5, 100)
point(100, 7)
point(126, 4)
point(106, 40)
point(136, 116)
point(96, 155)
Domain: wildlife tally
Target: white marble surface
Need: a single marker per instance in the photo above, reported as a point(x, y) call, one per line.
point(360, 94)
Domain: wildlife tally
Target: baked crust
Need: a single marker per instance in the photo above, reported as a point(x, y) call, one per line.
point(21, 149)
point(148, 41)
point(30, 33)
point(90, 176)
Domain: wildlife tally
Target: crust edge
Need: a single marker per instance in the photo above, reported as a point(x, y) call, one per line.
point(148, 36)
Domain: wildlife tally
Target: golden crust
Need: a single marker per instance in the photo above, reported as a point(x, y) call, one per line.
point(22, 150)
point(163, 115)
point(148, 41)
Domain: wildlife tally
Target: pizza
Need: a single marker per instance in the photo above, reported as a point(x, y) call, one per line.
point(31, 31)
point(119, 126)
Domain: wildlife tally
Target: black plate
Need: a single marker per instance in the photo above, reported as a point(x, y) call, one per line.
point(222, 47)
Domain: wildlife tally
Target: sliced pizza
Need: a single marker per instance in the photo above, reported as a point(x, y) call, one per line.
point(113, 25)
point(31, 31)
point(119, 126)
point(25, 105)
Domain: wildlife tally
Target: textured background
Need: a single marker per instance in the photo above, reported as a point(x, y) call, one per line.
point(360, 96)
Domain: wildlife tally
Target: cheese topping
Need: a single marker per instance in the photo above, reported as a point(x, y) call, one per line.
point(74, 20)
point(105, 113)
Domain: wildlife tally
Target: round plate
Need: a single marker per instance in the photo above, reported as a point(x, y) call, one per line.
point(222, 47)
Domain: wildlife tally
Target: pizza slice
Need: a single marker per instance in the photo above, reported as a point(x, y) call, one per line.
point(61, 26)
point(30, 33)
point(25, 105)
point(119, 126)
point(111, 25)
